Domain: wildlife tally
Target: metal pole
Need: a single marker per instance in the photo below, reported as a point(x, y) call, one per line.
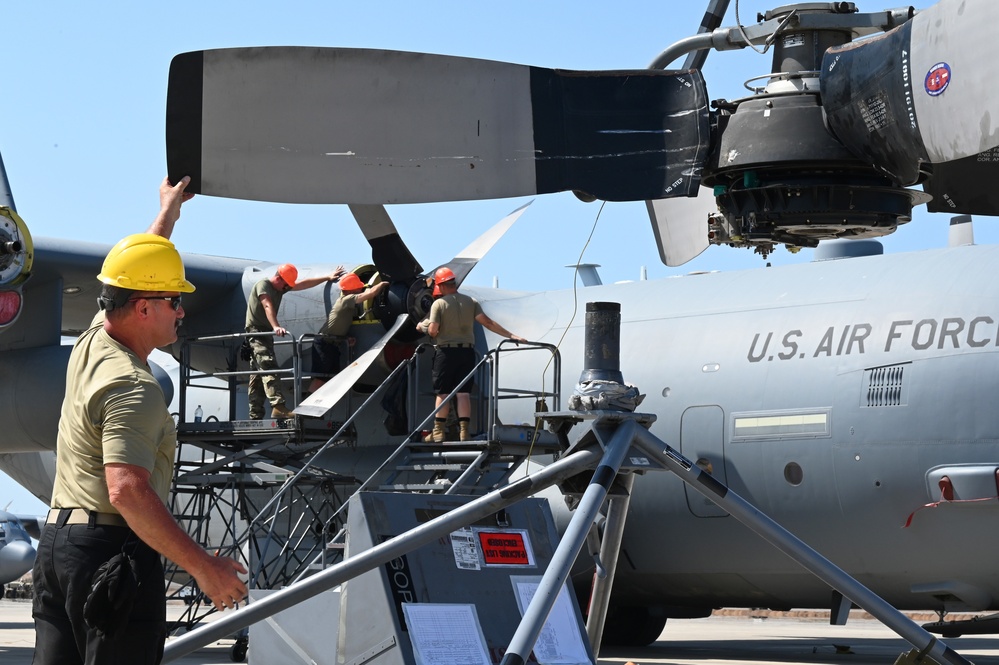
point(572, 541)
point(789, 544)
point(380, 554)
point(610, 549)
point(713, 16)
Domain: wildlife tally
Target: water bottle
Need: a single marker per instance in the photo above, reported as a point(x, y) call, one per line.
point(197, 414)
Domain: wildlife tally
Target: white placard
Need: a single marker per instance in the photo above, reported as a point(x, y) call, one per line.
point(560, 641)
point(445, 634)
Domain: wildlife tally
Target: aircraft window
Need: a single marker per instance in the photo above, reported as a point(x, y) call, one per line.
point(780, 426)
point(793, 473)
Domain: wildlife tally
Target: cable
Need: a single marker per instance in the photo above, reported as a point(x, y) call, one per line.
point(575, 309)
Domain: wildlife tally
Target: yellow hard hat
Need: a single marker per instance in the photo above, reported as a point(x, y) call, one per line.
point(145, 262)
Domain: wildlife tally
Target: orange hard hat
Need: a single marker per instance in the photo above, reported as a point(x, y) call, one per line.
point(437, 291)
point(289, 274)
point(350, 282)
point(443, 275)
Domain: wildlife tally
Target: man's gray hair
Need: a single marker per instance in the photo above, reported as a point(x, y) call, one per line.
point(113, 297)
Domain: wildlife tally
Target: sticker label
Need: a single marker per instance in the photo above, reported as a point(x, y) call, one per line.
point(466, 549)
point(937, 79)
point(506, 548)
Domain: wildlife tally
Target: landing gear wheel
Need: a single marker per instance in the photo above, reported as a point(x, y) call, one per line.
point(632, 627)
point(238, 652)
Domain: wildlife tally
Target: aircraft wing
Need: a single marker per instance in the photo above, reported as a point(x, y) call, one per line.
point(66, 271)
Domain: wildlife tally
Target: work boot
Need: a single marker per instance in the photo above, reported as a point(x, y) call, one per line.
point(463, 429)
point(281, 411)
point(437, 436)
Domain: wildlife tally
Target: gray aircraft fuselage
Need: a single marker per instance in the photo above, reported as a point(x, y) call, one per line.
point(834, 396)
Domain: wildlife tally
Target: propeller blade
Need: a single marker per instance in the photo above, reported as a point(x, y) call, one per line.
point(923, 92)
point(336, 125)
point(681, 226)
point(388, 251)
point(957, 187)
point(320, 402)
point(466, 259)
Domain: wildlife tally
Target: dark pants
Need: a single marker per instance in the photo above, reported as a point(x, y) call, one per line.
point(325, 358)
point(67, 558)
point(451, 366)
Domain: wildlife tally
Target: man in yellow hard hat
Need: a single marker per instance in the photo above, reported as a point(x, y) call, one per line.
point(326, 347)
point(115, 455)
point(262, 307)
point(452, 326)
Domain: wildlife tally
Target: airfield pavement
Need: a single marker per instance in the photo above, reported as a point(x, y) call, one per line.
point(741, 638)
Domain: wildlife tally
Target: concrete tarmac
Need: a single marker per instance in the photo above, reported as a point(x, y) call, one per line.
point(745, 639)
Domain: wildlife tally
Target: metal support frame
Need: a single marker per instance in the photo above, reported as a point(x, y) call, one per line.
point(647, 444)
point(380, 554)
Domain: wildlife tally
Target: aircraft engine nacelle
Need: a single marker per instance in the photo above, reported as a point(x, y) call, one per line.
point(32, 385)
point(16, 255)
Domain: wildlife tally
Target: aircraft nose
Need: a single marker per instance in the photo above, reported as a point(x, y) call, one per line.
point(16, 559)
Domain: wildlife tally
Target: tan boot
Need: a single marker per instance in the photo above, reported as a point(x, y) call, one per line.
point(281, 411)
point(437, 436)
point(463, 429)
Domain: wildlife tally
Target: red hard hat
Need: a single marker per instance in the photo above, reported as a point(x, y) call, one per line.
point(443, 275)
point(437, 291)
point(350, 282)
point(289, 274)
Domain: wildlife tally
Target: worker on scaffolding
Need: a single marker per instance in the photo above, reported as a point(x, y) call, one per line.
point(114, 462)
point(451, 325)
point(262, 307)
point(326, 348)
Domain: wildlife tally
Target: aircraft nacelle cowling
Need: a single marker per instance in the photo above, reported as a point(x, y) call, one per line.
point(16, 256)
point(32, 385)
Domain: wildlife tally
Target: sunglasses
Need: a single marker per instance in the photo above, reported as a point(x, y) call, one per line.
point(174, 300)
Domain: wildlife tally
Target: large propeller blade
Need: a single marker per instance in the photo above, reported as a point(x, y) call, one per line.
point(681, 226)
point(920, 95)
point(388, 252)
point(466, 259)
point(331, 392)
point(336, 125)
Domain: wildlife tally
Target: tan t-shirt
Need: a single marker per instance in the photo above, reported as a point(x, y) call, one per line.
point(455, 314)
point(114, 411)
point(341, 316)
point(256, 317)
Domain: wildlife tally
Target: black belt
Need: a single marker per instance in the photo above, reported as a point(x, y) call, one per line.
point(456, 346)
point(82, 516)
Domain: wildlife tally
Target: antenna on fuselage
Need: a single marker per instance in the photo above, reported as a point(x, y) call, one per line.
point(587, 273)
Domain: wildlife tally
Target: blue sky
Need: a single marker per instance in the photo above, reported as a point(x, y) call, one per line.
point(83, 122)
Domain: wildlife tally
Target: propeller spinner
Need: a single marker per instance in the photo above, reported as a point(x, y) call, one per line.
point(409, 296)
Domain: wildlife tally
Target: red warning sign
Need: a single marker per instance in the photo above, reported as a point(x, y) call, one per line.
point(504, 548)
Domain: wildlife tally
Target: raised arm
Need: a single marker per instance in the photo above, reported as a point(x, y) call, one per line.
point(171, 198)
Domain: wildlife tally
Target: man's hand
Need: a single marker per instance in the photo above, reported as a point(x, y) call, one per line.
point(218, 580)
point(171, 198)
point(338, 273)
point(279, 331)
